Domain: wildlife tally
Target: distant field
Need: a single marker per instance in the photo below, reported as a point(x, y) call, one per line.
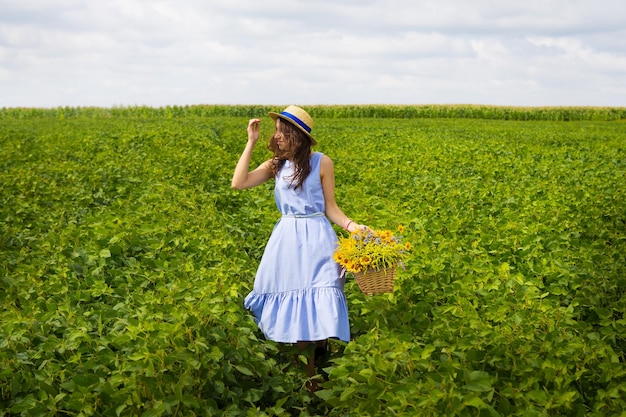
point(336, 111)
point(125, 256)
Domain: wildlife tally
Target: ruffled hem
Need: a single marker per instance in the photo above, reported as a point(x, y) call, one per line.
point(301, 315)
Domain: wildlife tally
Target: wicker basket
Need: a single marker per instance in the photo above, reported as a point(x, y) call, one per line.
point(376, 281)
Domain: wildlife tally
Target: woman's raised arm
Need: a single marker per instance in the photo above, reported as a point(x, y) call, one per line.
point(242, 177)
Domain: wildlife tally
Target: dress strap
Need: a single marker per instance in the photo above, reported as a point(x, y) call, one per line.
point(304, 216)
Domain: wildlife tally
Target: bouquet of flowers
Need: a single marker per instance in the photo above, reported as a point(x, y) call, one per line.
point(365, 251)
point(371, 249)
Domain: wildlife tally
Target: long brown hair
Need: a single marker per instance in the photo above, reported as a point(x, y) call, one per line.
point(298, 150)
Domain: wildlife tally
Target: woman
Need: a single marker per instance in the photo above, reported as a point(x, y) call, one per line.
point(298, 290)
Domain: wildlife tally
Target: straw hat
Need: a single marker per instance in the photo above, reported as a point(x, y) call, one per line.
point(299, 118)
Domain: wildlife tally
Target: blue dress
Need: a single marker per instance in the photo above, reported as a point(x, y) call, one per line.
point(298, 290)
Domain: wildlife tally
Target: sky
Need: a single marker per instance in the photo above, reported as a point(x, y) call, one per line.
point(157, 53)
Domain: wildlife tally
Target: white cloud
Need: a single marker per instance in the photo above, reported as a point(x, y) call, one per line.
point(126, 52)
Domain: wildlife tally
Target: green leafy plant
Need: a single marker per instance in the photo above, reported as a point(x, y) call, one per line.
point(125, 256)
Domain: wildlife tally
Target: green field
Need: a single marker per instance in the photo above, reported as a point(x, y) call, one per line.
point(125, 256)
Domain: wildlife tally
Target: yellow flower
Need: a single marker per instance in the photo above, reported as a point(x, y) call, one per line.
point(387, 235)
point(370, 249)
point(400, 228)
point(352, 267)
point(407, 246)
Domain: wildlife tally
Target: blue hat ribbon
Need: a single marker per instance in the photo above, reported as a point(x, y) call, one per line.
point(298, 121)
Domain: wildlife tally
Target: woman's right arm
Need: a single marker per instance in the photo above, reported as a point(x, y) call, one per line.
point(242, 177)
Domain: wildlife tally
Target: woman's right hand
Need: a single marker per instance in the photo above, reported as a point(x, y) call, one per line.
point(253, 130)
